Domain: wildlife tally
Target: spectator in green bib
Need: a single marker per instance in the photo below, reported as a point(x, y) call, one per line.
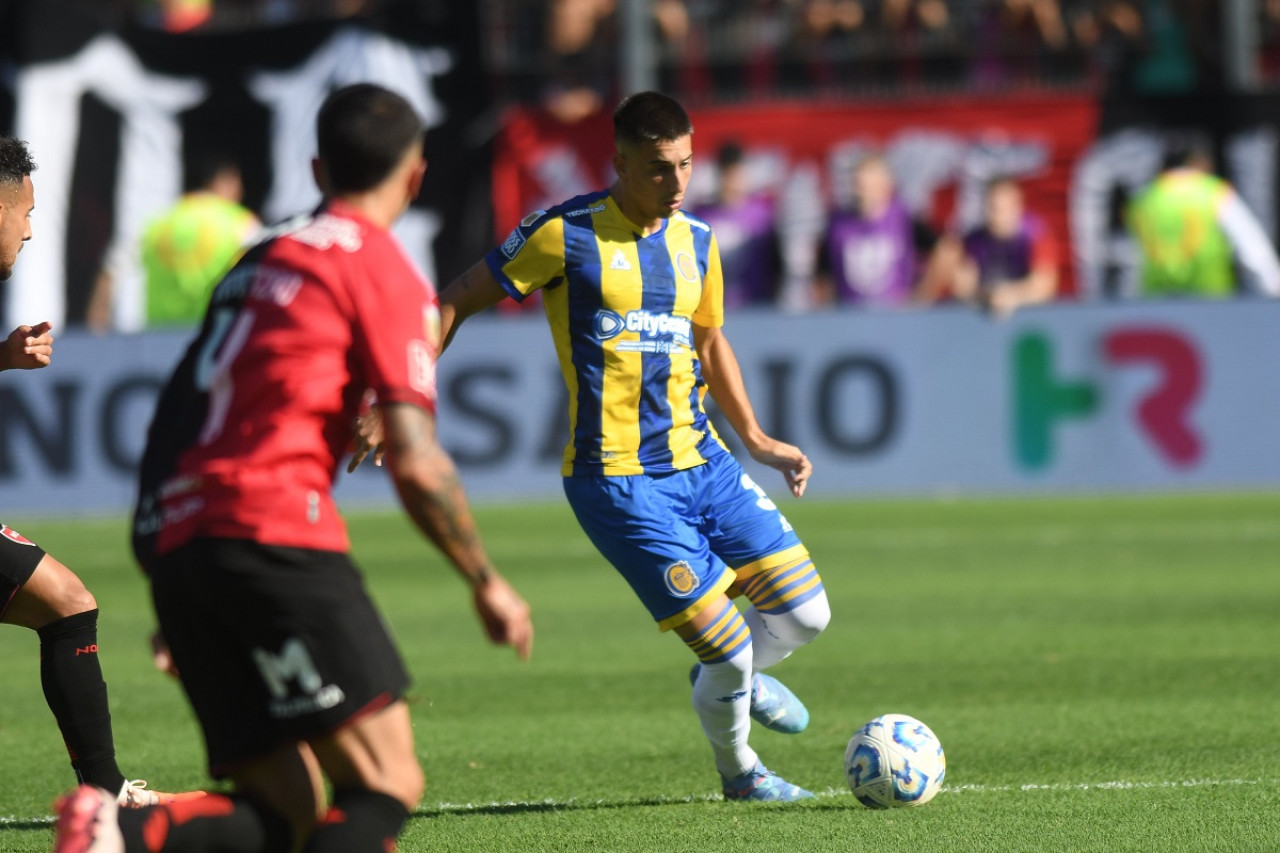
point(1197, 237)
point(186, 249)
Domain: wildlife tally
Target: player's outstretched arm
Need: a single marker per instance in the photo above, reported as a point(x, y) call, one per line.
point(431, 492)
point(470, 293)
point(724, 380)
point(27, 348)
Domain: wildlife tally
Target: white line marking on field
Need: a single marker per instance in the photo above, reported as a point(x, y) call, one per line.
point(574, 803)
point(1105, 786)
point(517, 805)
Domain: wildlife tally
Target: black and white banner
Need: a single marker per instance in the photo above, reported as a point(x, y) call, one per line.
point(109, 115)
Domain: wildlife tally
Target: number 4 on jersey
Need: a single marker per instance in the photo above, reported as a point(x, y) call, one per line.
point(226, 338)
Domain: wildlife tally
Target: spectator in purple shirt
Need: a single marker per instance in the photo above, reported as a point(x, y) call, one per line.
point(1011, 260)
point(871, 253)
point(745, 227)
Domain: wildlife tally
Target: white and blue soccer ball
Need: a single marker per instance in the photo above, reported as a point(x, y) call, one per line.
point(894, 761)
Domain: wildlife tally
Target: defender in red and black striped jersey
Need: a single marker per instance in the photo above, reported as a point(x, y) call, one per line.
point(280, 650)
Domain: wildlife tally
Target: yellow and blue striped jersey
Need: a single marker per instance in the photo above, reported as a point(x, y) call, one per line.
point(621, 308)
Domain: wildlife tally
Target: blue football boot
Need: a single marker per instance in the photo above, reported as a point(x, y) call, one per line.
point(772, 705)
point(762, 785)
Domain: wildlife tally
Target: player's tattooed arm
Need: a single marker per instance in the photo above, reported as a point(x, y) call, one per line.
point(431, 492)
point(430, 489)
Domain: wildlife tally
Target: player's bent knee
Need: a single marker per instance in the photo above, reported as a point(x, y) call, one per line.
point(813, 617)
point(79, 601)
point(60, 589)
point(802, 625)
point(51, 594)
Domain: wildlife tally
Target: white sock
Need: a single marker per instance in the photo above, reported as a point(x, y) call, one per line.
point(722, 698)
point(774, 636)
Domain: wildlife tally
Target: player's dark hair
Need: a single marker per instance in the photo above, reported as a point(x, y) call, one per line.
point(362, 133)
point(15, 160)
point(650, 117)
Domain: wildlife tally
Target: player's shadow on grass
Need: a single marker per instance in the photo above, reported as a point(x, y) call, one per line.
point(539, 806)
point(534, 807)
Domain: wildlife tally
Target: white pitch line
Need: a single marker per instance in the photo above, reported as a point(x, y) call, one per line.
point(843, 792)
point(574, 803)
point(1105, 786)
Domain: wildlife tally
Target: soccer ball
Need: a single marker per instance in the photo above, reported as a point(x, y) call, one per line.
point(894, 761)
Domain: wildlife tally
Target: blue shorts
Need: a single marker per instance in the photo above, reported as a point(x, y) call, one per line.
point(680, 538)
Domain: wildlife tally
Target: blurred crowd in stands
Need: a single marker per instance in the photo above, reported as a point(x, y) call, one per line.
point(1193, 235)
point(1191, 232)
point(733, 49)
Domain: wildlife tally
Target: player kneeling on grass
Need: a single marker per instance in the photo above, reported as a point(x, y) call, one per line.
point(279, 648)
point(633, 292)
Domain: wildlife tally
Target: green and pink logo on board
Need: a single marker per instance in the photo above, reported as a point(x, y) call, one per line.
point(1044, 399)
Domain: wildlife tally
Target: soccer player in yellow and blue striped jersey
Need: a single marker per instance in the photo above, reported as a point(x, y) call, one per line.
point(633, 292)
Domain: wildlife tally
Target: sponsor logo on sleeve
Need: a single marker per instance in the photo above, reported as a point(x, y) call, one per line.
point(422, 368)
point(513, 244)
point(431, 325)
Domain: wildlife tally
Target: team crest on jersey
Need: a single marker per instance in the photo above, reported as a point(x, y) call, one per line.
point(513, 244)
point(14, 536)
point(681, 579)
point(688, 269)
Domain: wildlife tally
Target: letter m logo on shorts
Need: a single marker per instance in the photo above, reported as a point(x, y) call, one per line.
point(293, 663)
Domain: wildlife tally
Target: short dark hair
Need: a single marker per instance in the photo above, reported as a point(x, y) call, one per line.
point(1183, 151)
point(201, 167)
point(650, 117)
point(362, 133)
point(15, 160)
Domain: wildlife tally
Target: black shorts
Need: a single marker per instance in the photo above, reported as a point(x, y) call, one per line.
point(18, 560)
point(273, 645)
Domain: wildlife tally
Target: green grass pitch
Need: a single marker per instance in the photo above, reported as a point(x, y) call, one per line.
point(1102, 673)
